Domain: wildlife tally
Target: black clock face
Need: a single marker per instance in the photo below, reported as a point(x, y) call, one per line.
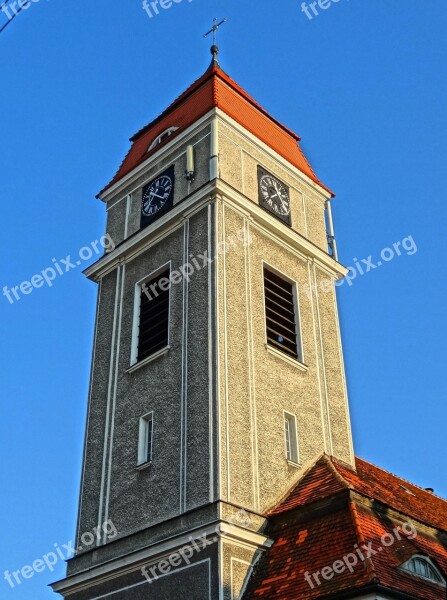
point(274, 195)
point(157, 197)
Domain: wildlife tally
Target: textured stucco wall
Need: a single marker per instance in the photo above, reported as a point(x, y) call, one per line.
point(255, 385)
point(334, 366)
point(195, 579)
point(116, 205)
point(91, 481)
point(203, 403)
point(116, 218)
point(236, 568)
point(139, 498)
point(238, 167)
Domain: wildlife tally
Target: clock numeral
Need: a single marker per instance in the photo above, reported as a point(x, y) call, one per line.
point(156, 195)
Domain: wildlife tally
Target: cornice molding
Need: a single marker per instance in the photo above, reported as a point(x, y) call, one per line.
point(285, 164)
point(167, 149)
point(259, 218)
point(131, 562)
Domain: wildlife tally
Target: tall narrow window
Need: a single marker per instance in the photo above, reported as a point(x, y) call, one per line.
point(153, 331)
point(146, 439)
point(291, 438)
point(280, 314)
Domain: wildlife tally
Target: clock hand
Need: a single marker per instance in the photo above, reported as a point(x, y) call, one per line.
point(153, 195)
point(277, 190)
point(280, 200)
point(283, 204)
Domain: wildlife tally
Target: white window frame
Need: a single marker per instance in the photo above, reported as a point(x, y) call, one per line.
point(136, 317)
point(426, 559)
point(296, 306)
point(167, 132)
point(144, 453)
point(291, 444)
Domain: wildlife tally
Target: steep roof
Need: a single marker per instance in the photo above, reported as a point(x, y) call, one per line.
point(215, 89)
point(329, 476)
point(324, 519)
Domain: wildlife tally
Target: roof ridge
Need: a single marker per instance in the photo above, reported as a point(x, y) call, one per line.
point(369, 564)
point(300, 476)
point(240, 90)
point(338, 475)
point(431, 494)
point(190, 90)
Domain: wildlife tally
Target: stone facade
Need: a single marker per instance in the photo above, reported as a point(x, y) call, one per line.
point(217, 393)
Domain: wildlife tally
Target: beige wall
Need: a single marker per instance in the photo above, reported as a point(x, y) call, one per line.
point(239, 159)
point(237, 561)
point(256, 386)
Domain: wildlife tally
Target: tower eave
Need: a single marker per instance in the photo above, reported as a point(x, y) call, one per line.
point(215, 89)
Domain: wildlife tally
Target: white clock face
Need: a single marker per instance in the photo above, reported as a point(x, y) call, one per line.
point(275, 194)
point(156, 195)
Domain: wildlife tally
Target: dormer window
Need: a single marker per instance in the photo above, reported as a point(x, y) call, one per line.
point(422, 566)
point(162, 137)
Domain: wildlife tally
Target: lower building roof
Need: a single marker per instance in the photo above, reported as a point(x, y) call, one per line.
point(342, 531)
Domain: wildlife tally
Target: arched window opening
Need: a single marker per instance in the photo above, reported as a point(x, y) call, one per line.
point(421, 566)
point(162, 137)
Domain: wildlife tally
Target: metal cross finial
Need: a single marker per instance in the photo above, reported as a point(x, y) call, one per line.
point(214, 48)
point(214, 30)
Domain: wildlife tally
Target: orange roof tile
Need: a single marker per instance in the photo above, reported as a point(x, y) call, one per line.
point(403, 496)
point(215, 89)
point(329, 476)
point(306, 547)
point(309, 535)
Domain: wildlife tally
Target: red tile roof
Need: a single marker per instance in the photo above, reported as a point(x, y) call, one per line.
point(215, 89)
point(329, 476)
point(374, 525)
point(324, 520)
point(301, 548)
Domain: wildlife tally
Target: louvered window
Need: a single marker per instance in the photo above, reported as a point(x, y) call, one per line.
point(280, 314)
point(154, 316)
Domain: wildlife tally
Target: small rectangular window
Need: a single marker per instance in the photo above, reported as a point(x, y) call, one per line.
point(281, 314)
point(291, 438)
point(153, 331)
point(146, 439)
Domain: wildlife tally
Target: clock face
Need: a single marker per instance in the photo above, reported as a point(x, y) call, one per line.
point(157, 196)
point(274, 195)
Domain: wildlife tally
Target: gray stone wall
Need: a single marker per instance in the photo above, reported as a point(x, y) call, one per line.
point(195, 579)
point(175, 390)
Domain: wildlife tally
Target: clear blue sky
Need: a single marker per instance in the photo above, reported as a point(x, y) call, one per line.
point(364, 84)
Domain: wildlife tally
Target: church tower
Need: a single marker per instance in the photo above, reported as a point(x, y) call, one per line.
point(217, 371)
